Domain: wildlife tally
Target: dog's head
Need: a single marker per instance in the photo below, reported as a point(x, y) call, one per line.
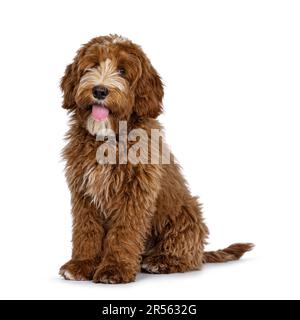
point(109, 80)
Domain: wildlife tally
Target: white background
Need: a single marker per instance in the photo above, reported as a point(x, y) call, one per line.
point(232, 75)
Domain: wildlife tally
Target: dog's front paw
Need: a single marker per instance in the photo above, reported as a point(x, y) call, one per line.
point(113, 274)
point(79, 269)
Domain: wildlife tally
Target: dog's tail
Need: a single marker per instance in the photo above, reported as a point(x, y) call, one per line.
point(233, 252)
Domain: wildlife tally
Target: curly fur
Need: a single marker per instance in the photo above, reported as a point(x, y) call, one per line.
point(126, 217)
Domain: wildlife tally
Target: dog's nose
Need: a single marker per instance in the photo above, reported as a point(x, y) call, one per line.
point(100, 92)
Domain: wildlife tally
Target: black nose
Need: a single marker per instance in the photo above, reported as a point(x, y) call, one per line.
point(100, 92)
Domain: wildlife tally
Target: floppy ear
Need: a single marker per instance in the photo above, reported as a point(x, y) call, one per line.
point(149, 92)
point(67, 85)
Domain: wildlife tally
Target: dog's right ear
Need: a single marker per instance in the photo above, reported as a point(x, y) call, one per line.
point(67, 85)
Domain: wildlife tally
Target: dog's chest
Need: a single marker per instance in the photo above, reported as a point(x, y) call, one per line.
point(101, 183)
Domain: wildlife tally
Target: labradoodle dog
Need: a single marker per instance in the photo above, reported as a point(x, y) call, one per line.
point(127, 215)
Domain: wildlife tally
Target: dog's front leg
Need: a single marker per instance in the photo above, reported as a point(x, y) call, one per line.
point(87, 240)
point(128, 228)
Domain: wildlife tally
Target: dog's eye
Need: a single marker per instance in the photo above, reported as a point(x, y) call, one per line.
point(121, 71)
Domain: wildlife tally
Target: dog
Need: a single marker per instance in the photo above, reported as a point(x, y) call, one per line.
point(127, 217)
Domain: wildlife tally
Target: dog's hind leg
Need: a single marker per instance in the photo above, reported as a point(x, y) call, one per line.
point(180, 240)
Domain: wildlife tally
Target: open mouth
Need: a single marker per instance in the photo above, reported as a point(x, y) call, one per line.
point(100, 112)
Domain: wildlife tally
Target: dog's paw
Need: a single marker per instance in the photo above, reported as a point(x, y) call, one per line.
point(163, 264)
point(79, 269)
point(113, 274)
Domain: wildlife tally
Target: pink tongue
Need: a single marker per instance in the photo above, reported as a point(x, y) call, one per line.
point(99, 112)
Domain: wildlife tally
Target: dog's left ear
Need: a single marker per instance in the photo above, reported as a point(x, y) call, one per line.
point(149, 91)
point(67, 85)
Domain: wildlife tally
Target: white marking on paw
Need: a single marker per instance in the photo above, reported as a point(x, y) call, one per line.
point(108, 281)
point(149, 268)
point(68, 275)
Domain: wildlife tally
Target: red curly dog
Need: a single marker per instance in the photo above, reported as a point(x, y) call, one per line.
point(126, 217)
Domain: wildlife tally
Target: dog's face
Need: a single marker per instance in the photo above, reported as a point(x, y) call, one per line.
point(111, 79)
